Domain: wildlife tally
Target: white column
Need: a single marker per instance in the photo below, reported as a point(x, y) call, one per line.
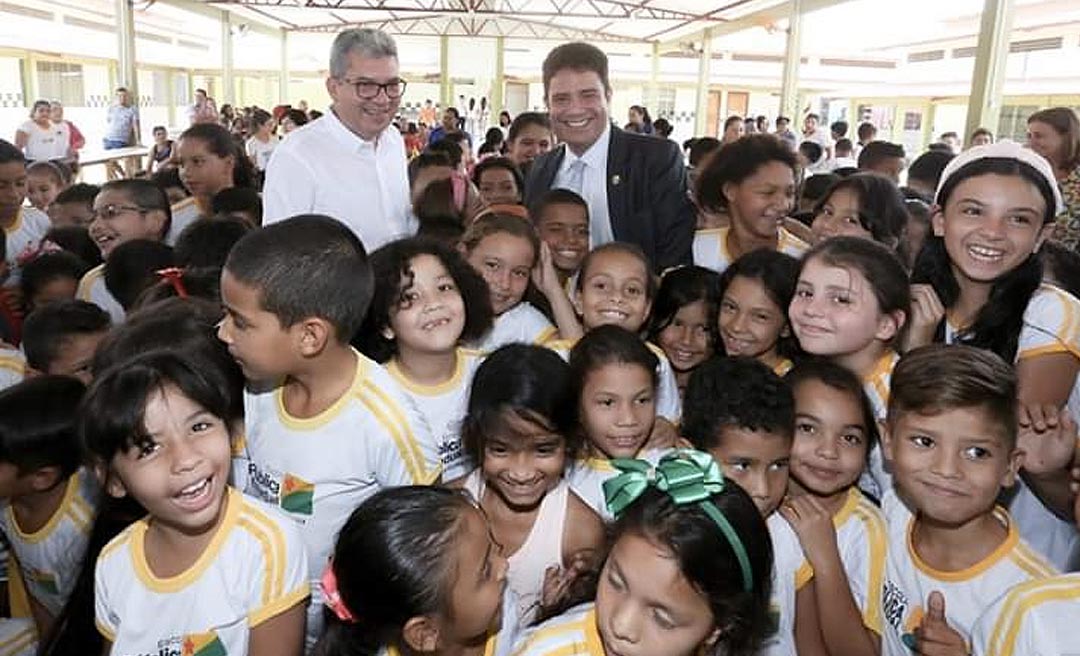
point(228, 84)
point(984, 106)
point(789, 88)
point(704, 65)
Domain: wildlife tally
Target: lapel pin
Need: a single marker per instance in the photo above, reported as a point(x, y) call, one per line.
point(615, 180)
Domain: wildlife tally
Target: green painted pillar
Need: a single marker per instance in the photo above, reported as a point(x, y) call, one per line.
point(984, 105)
point(445, 87)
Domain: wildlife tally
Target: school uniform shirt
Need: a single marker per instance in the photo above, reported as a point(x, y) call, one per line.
point(1036, 618)
point(443, 407)
point(541, 549)
point(253, 570)
point(1051, 324)
point(573, 633)
point(92, 289)
point(319, 469)
point(12, 367)
point(862, 539)
point(23, 237)
point(909, 581)
point(586, 477)
point(18, 637)
point(49, 558)
point(184, 213)
point(791, 571)
point(875, 479)
point(711, 247)
point(668, 401)
point(521, 324)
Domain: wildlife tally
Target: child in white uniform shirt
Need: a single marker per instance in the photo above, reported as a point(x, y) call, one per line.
point(416, 570)
point(614, 377)
point(428, 301)
point(208, 568)
point(739, 411)
point(124, 210)
point(24, 227)
point(48, 502)
point(325, 426)
point(841, 531)
point(951, 440)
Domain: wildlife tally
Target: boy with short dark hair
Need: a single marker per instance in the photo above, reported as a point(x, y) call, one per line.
point(561, 217)
point(325, 426)
point(951, 441)
point(742, 413)
point(74, 205)
point(62, 337)
point(24, 227)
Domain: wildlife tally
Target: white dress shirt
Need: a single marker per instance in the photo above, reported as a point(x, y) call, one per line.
point(592, 186)
point(325, 168)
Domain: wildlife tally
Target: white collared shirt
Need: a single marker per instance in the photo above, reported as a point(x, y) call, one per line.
point(594, 186)
point(324, 168)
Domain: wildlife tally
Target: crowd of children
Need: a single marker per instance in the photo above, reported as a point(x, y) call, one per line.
point(850, 430)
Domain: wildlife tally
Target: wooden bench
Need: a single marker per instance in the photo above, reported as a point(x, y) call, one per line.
point(119, 162)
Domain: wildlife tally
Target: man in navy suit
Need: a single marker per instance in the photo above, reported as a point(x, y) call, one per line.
point(635, 185)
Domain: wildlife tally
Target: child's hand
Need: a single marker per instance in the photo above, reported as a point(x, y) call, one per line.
point(935, 636)
point(814, 526)
point(663, 436)
point(559, 582)
point(544, 275)
point(1048, 437)
point(927, 311)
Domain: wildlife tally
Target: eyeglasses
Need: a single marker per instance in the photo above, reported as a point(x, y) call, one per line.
point(368, 89)
point(109, 212)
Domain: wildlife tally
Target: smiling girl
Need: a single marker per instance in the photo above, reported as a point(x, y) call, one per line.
point(752, 180)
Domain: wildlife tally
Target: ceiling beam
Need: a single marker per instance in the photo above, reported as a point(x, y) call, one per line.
point(754, 19)
point(455, 25)
point(534, 9)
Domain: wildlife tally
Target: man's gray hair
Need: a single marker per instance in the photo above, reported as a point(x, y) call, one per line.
point(366, 42)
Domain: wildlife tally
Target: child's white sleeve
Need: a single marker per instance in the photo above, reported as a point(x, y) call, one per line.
point(1051, 324)
point(406, 453)
point(668, 403)
point(104, 617)
point(283, 580)
point(18, 637)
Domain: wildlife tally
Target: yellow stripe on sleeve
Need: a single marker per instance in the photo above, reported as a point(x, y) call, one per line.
point(878, 541)
point(399, 432)
point(19, 641)
point(1017, 607)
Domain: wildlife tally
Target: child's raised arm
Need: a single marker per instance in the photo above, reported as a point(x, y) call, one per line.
point(547, 281)
point(841, 624)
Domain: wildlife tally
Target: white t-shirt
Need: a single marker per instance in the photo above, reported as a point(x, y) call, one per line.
point(875, 478)
point(325, 168)
point(253, 570)
point(1036, 618)
point(522, 324)
point(319, 469)
point(791, 571)
point(49, 558)
point(92, 289)
point(587, 476)
point(863, 541)
point(573, 633)
point(46, 143)
point(18, 637)
point(711, 247)
point(260, 151)
point(909, 581)
point(443, 407)
point(24, 236)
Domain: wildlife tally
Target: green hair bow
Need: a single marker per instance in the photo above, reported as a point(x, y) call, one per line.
point(687, 476)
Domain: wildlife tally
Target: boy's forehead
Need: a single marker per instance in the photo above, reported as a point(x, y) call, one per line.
point(12, 171)
point(732, 437)
point(980, 421)
point(564, 212)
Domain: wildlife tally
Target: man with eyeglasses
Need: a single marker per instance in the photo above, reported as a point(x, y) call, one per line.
point(350, 164)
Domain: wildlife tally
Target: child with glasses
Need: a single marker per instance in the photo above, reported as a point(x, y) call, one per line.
point(124, 210)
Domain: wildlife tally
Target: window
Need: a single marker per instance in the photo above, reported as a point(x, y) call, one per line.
point(61, 81)
point(1013, 122)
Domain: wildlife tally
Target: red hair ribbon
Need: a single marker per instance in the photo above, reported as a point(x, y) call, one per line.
point(175, 276)
point(331, 596)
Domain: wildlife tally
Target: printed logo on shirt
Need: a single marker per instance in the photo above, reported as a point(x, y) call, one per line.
point(44, 580)
point(203, 644)
point(894, 606)
point(297, 495)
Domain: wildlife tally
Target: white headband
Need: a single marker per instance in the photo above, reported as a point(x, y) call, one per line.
point(1004, 149)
